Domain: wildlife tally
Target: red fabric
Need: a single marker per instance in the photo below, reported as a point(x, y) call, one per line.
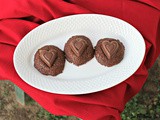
point(18, 17)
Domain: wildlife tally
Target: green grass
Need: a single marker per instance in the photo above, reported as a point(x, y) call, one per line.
point(136, 110)
point(44, 114)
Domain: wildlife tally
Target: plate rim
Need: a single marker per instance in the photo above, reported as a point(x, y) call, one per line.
point(14, 56)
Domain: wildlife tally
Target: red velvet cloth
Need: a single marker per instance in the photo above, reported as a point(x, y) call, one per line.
point(18, 17)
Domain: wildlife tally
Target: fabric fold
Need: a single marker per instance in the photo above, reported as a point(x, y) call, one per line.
point(152, 3)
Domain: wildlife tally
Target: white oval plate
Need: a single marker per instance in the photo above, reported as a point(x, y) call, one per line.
point(90, 77)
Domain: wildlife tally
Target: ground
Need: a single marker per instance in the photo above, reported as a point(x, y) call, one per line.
point(144, 106)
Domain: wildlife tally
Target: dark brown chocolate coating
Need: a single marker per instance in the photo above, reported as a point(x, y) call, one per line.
point(79, 50)
point(49, 60)
point(109, 52)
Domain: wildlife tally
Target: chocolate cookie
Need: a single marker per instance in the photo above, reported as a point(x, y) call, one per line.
point(49, 60)
point(79, 50)
point(109, 51)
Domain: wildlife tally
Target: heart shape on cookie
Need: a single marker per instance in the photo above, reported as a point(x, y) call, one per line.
point(79, 46)
point(109, 48)
point(48, 57)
